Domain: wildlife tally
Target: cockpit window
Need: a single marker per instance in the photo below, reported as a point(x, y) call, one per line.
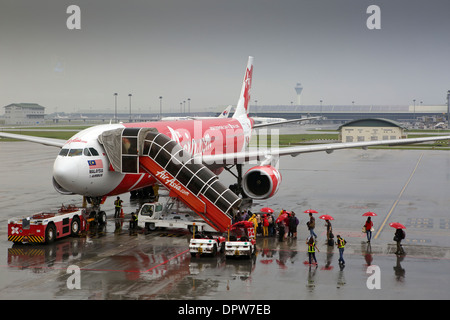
point(93, 152)
point(64, 152)
point(75, 152)
point(86, 152)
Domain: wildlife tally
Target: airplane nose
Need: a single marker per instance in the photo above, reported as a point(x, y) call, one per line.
point(65, 173)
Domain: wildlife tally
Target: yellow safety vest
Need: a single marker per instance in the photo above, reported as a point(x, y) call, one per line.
point(341, 243)
point(311, 248)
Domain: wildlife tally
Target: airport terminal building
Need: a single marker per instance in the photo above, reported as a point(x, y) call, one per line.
point(346, 113)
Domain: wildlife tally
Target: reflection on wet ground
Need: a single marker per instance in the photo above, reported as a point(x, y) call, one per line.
point(159, 266)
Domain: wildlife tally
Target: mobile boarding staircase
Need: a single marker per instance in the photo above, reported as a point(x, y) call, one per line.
point(145, 150)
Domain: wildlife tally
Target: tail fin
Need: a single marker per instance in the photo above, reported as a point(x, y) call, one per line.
point(244, 98)
point(225, 113)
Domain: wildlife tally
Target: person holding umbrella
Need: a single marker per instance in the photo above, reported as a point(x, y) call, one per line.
point(280, 224)
point(368, 225)
point(330, 235)
point(399, 235)
point(311, 225)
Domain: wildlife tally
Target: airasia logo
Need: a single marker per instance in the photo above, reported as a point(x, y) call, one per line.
point(248, 85)
point(167, 179)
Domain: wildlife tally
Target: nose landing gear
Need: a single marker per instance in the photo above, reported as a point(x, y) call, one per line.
point(96, 216)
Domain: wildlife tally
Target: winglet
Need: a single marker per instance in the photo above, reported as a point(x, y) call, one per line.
point(244, 98)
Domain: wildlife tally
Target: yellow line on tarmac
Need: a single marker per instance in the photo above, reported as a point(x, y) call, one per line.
point(399, 196)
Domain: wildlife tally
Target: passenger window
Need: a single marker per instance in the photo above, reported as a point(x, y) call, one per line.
point(86, 152)
point(75, 152)
point(93, 152)
point(64, 152)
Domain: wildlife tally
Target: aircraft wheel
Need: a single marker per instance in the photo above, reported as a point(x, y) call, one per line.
point(102, 217)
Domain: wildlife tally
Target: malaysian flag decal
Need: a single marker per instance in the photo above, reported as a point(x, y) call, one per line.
point(95, 164)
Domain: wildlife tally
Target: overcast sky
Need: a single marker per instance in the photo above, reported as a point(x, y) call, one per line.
point(198, 49)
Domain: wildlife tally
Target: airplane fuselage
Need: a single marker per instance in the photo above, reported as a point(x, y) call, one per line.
point(82, 167)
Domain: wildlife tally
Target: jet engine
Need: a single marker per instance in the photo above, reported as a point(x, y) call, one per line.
point(261, 182)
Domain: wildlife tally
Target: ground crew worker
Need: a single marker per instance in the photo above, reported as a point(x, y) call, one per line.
point(133, 222)
point(340, 242)
point(312, 249)
point(117, 207)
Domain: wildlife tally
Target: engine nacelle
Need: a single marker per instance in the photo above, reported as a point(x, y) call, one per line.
point(261, 182)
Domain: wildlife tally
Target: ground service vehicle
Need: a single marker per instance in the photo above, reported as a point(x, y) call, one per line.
point(154, 215)
point(242, 243)
point(45, 227)
point(201, 244)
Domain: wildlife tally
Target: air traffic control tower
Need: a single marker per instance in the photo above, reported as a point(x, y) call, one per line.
point(298, 89)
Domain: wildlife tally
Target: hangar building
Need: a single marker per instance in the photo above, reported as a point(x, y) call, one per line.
point(371, 130)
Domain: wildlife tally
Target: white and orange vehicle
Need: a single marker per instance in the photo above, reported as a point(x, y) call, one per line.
point(202, 244)
point(46, 227)
point(242, 242)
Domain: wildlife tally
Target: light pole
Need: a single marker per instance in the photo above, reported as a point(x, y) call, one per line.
point(414, 114)
point(115, 109)
point(321, 110)
point(160, 107)
point(130, 105)
point(189, 105)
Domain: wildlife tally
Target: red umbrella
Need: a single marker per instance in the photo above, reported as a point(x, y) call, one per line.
point(326, 217)
point(242, 224)
point(369, 214)
point(311, 211)
point(397, 225)
point(281, 217)
point(267, 210)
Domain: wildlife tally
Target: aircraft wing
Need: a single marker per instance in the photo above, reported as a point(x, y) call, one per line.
point(263, 154)
point(260, 125)
point(45, 141)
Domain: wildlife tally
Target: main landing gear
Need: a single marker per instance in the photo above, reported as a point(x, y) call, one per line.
point(237, 187)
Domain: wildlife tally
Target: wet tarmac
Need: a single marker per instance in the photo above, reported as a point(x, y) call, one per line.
point(407, 186)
